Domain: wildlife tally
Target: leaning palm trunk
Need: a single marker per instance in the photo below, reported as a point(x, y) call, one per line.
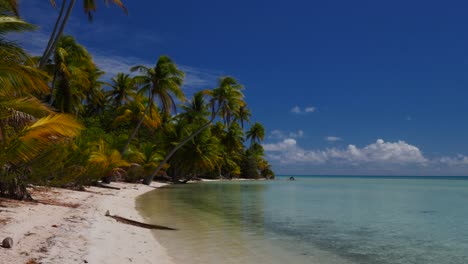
point(54, 38)
point(42, 61)
point(135, 131)
point(150, 178)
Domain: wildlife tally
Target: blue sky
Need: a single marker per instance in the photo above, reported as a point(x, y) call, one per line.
point(343, 87)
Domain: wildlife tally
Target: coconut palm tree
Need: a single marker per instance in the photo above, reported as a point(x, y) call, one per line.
point(9, 7)
point(66, 7)
point(233, 140)
point(25, 145)
point(123, 89)
point(161, 83)
point(196, 110)
point(17, 73)
point(201, 155)
point(107, 161)
point(256, 133)
point(27, 126)
point(95, 98)
point(225, 99)
point(133, 111)
point(242, 115)
point(74, 74)
point(146, 156)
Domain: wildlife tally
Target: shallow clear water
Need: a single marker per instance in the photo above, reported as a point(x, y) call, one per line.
point(326, 220)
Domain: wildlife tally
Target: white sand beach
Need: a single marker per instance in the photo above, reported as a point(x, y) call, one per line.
point(71, 227)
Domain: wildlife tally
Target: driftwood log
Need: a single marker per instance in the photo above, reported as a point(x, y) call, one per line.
point(136, 223)
point(102, 185)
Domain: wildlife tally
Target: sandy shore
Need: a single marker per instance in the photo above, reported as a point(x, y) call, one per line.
point(71, 227)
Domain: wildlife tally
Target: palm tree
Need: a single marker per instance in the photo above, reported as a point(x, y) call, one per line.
point(27, 126)
point(17, 73)
point(123, 89)
point(27, 144)
point(74, 74)
point(201, 155)
point(233, 140)
point(107, 162)
point(225, 99)
point(9, 7)
point(242, 114)
point(256, 133)
point(161, 83)
point(145, 156)
point(95, 96)
point(196, 110)
point(89, 7)
point(133, 111)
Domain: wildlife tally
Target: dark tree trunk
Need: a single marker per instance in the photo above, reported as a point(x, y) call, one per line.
point(14, 189)
point(52, 47)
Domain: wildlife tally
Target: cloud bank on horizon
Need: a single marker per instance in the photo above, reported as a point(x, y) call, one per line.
point(380, 157)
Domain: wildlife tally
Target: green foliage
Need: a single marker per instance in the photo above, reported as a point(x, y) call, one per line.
point(144, 159)
point(249, 167)
point(107, 162)
point(74, 78)
point(39, 146)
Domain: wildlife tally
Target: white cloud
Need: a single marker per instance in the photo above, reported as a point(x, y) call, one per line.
point(309, 109)
point(286, 144)
point(287, 152)
point(298, 110)
point(279, 134)
point(297, 134)
point(378, 153)
point(458, 160)
point(200, 78)
point(113, 64)
point(333, 139)
point(195, 78)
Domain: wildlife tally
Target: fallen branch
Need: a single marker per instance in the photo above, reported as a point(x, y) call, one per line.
point(101, 185)
point(136, 223)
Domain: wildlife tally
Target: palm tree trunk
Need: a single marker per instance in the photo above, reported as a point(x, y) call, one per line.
point(2, 134)
point(47, 53)
point(135, 131)
point(43, 61)
point(52, 87)
point(150, 178)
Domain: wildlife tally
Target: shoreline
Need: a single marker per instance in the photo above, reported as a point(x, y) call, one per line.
point(71, 227)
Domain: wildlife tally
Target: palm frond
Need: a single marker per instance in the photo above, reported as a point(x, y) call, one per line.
point(33, 139)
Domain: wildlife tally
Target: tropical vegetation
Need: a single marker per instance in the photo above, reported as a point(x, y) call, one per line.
point(62, 123)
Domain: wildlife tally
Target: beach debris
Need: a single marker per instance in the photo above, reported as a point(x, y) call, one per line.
point(7, 242)
point(29, 234)
point(136, 223)
point(43, 249)
point(106, 186)
point(58, 203)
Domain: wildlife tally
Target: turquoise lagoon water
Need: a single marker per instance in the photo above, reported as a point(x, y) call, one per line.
point(326, 220)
